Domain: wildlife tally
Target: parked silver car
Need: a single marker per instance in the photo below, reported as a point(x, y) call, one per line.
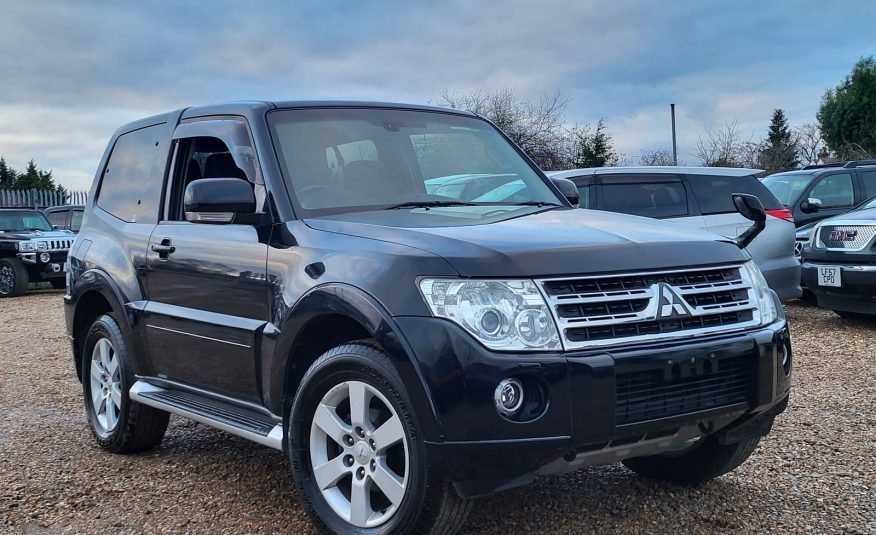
point(698, 197)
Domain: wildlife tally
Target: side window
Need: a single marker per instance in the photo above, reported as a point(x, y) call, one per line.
point(76, 220)
point(834, 191)
point(660, 199)
point(584, 196)
point(714, 193)
point(57, 217)
point(358, 150)
point(198, 158)
point(131, 185)
point(868, 183)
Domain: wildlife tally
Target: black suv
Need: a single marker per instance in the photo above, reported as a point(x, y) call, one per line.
point(839, 263)
point(279, 271)
point(30, 251)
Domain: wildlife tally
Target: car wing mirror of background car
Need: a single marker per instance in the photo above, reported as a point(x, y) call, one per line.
point(568, 189)
point(751, 208)
point(810, 205)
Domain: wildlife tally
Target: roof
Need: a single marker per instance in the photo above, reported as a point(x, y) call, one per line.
point(655, 170)
point(242, 107)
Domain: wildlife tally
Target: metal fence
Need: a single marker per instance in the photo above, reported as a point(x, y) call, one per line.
point(34, 198)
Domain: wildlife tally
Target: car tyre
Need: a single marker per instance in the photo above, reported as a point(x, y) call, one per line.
point(118, 423)
point(13, 277)
point(703, 462)
point(425, 505)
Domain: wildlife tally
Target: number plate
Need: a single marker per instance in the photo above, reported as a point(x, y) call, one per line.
point(830, 276)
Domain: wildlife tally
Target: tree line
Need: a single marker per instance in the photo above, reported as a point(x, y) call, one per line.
point(845, 129)
point(31, 178)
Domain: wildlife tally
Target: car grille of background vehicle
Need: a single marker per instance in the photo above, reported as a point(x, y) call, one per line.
point(851, 237)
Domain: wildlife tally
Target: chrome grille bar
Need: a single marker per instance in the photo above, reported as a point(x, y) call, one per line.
point(650, 306)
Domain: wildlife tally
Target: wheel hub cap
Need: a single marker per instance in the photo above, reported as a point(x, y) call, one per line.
point(106, 387)
point(359, 454)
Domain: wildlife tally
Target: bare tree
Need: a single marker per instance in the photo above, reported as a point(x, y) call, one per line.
point(725, 147)
point(661, 156)
point(537, 127)
point(811, 147)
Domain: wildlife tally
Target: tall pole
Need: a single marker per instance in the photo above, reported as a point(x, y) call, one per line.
point(674, 145)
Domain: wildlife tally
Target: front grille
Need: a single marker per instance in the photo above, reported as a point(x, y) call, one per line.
point(603, 310)
point(58, 244)
point(850, 237)
point(683, 388)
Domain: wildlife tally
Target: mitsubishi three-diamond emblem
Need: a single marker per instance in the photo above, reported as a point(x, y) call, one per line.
point(670, 305)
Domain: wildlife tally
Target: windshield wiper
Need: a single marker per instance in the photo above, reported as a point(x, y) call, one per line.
point(531, 203)
point(429, 204)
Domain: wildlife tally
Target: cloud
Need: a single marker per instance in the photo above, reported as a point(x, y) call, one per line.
point(73, 72)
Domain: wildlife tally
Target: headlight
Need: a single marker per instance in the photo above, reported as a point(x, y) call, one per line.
point(42, 246)
point(26, 246)
point(508, 315)
point(762, 292)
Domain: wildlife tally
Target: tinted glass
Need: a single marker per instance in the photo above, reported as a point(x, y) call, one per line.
point(76, 220)
point(715, 193)
point(12, 220)
point(584, 196)
point(661, 199)
point(131, 184)
point(57, 217)
point(367, 159)
point(868, 183)
point(787, 188)
point(834, 191)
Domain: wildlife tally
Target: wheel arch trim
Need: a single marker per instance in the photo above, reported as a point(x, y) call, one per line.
point(357, 305)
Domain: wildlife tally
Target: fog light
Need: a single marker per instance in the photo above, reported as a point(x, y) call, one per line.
point(44, 258)
point(508, 396)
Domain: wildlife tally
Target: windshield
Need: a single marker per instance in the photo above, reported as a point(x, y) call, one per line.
point(788, 188)
point(11, 221)
point(346, 160)
point(869, 203)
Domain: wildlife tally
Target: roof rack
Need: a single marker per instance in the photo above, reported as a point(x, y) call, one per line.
point(851, 164)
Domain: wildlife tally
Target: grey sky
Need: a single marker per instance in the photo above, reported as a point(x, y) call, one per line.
point(73, 72)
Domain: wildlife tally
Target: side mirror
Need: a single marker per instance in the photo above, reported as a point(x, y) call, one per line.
point(568, 189)
point(751, 208)
point(218, 200)
point(810, 205)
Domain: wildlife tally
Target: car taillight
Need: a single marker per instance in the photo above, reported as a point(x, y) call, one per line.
point(784, 213)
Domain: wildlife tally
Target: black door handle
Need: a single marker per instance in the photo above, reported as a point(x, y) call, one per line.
point(164, 249)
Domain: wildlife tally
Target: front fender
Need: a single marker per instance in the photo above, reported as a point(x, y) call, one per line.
point(354, 303)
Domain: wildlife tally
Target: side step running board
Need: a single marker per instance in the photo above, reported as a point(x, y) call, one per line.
point(241, 422)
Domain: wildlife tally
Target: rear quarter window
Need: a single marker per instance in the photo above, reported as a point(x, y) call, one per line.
point(714, 192)
point(130, 188)
point(649, 199)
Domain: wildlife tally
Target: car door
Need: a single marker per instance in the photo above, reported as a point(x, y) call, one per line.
point(208, 296)
point(836, 193)
point(660, 196)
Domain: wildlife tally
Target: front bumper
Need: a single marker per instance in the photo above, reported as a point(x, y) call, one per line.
point(44, 270)
point(858, 290)
point(585, 409)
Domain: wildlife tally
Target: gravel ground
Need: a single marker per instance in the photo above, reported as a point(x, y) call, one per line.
point(815, 473)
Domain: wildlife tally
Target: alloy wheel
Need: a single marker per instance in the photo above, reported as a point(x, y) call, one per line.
point(7, 279)
point(359, 454)
point(106, 387)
